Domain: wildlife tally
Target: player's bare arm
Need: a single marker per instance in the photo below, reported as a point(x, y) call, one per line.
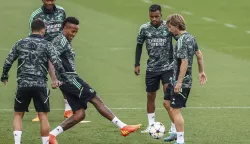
point(183, 70)
point(202, 75)
point(55, 82)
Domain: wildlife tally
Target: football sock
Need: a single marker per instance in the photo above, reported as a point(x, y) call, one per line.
point(58, 130)
point(151, 118)
point(180, 137)
point(45, 140)
point(17, 136)
point(173, 129)
point(66, 105)
point(117, 122)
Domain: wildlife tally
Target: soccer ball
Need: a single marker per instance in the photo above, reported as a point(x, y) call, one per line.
point(157, 130)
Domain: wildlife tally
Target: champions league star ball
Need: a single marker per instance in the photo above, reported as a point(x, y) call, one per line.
point(157, 130)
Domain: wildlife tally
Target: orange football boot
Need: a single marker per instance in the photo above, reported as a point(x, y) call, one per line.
point(126, 130)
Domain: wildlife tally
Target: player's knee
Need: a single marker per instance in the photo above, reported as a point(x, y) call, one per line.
point(151, 96)
point(79, 115)
point(82, 117)
point(166, 104)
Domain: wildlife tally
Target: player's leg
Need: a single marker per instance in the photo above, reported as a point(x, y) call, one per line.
point(172, 133)
point(152, 85)
point(107, 113)
point(72, 93)
point(67, 109)
point(41, 103)
point(166, 78)
point(178, 101)
point(179, 123)
point(22, 101)
point(77, 116)
point(44, 127)
point(17, 126)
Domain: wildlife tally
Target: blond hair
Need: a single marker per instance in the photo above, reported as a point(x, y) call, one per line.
point(177, 20)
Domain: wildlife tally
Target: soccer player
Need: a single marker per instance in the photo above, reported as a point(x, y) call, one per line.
point(53, 16)
point(77, 91)
point(177, 94)
point(160, 63)
point(33, 54)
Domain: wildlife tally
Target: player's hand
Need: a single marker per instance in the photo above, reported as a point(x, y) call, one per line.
point(5, 82)
point(137, 70)
point(177, 87)
point(56, 84)
point(202, 78)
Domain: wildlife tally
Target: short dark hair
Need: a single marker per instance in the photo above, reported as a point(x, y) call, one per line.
point(154, 8)
point(71, 20)
point(37, 25)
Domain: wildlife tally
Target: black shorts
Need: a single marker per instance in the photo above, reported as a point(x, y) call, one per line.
point(177, 100)
point(153, 79)
point(40, 97)
point(78, 93)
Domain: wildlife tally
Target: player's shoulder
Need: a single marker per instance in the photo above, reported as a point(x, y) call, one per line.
point(60, 8)
point(45, 41)
point(60, 40)
point(36, 12)
point(20, 41)
point(188, 37)
point(145, 25)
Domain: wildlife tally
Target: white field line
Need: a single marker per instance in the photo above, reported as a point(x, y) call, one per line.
point(230, 25)
point(187, 13)
point(147, 1)
point(217, 107)
point(167, 7)
point(208, 19)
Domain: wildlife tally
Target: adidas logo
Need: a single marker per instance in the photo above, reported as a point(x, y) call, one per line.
point(91, 90)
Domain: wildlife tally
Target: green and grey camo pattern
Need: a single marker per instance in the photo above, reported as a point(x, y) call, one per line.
point(53, 21)
point(159, 46)
point(67, 56)
point(185, 48)
point(33, 54)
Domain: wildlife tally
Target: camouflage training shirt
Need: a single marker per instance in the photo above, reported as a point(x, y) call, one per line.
point(185, 48)
point(53, 20)
point(32, 53)
point(159, 46)
point(66, 54)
